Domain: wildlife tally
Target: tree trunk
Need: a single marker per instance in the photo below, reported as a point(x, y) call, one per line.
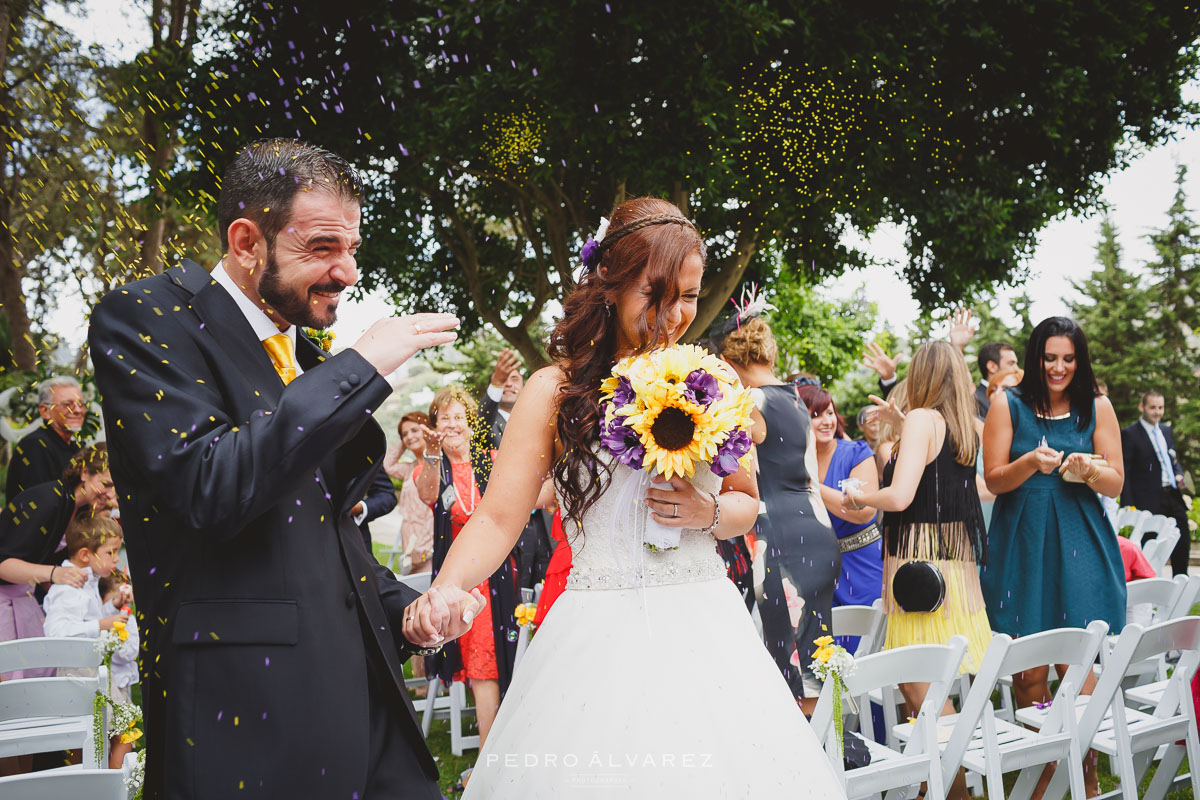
point(719, 284)
point(12, 301)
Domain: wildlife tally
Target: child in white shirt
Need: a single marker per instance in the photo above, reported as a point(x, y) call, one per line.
point(93, 545)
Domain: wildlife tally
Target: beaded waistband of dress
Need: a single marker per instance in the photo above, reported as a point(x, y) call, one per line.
point(598, 578)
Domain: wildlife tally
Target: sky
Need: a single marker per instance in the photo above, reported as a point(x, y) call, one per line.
point(1138, 199)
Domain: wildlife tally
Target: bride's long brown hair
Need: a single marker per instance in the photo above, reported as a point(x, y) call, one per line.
point(584, 341)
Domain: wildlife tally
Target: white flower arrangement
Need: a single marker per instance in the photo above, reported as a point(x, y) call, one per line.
point(833, 662)
point(137, 776)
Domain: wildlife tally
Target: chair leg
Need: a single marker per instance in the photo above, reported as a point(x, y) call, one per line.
point(995, 781)
point(1164, 776)
point(1193, 756)
point(1075, 772)
point(457, 701)
point(431, 695)
point(1123, 762)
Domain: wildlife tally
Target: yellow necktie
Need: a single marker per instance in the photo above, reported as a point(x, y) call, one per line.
point(283, 355)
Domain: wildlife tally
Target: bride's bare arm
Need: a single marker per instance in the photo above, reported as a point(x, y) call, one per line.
point(523, 463)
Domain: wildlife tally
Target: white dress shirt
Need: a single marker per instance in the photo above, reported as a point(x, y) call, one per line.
point(71, 611)
point(263, 327)
point(1159, 443)
point(495, 393)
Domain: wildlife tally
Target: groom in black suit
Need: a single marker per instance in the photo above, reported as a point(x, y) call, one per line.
point(272, 654)
point(1153, 475)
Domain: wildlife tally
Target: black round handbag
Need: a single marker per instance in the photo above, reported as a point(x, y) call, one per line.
point(918, 586)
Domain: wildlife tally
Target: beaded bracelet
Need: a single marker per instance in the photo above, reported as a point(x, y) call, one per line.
point(716, 514)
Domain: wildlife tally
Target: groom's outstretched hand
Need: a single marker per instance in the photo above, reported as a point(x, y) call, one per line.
point(441, 614)
point(391, 341)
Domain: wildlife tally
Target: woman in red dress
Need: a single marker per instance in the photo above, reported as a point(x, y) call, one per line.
point(459, 461)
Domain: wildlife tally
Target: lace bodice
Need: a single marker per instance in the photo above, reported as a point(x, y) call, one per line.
point(608, 553)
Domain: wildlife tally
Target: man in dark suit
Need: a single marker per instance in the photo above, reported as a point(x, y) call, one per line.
point(43, 455)
point(534, 548)
point(993, 357)
point(271, 664)
point(380, 499)
point(1153, 475)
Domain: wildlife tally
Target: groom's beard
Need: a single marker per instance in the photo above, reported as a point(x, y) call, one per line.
point(292, 304)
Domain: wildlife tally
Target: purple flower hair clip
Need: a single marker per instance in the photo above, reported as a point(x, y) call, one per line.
point(590, 255)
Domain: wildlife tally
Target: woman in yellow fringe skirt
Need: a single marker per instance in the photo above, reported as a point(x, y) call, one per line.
point(932, 515)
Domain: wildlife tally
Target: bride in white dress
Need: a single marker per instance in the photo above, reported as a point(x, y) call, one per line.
point(647, 678)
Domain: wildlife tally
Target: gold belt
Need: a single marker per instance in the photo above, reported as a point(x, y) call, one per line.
point(859, 540)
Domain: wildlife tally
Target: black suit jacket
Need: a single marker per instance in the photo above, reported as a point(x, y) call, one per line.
point(37, 458)
point(380, 500)
point(1143, 471)
point(259, 606)
point(982, 403)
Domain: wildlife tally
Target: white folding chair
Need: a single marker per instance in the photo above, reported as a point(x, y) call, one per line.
point(41, 652)
point(1133, 738)
point(526, 633)
point(70, 782)
point(453, 707)
point(865, 622)
point(989, 746)
point(1158, 550)
point(868, 624)
point(891, 770)
point(1137, 519)
point(42, 715)
point(419, 581)
point(395, 551)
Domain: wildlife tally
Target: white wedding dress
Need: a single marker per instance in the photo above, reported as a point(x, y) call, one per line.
point(647, 679)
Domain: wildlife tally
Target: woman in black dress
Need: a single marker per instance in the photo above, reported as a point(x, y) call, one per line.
point(802, 556)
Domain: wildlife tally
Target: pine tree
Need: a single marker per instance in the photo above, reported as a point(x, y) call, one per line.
point(1113, 313)
point(1176, 275)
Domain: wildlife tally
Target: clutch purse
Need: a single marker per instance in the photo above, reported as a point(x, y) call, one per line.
point(918, 586)
point(1071, 477)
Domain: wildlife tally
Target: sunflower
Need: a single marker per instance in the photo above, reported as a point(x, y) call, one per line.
point(682, 405)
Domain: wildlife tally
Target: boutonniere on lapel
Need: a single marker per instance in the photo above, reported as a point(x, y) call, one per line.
point(324, 338)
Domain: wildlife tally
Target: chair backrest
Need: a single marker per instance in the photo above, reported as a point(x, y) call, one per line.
point(40, 652)
point(1162, 593)
point(48, 697)
point(1138, 519)
point(1187, 598)
point(94, 784)
point(1126, 515)
point(419, 581)
point(1076, 647)
point(1158, 550)
point(865, 622)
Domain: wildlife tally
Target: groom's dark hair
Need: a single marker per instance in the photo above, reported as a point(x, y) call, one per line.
point(265, 176)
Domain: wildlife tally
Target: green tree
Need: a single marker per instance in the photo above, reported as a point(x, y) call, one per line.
point(1113, 314)
point(815, 334)
point(1175, 319)
point(1142, 331)
point(495, 135)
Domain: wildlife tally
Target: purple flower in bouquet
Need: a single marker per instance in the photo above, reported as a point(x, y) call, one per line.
point(736, 445)
point(702, 388)
point(624, 443)
point(624, 395)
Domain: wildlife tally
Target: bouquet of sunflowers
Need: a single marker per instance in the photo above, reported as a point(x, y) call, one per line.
point(668, 410)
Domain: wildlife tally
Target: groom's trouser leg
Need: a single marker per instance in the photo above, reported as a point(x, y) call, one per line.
point(393, 772)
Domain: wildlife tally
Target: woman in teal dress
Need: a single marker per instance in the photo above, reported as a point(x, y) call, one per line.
point(1053, 560)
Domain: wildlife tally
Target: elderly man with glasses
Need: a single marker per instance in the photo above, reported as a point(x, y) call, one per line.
point(43, 455)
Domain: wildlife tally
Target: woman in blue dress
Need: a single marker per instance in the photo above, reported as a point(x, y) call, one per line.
point(1053, 559)
point(839, 458)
